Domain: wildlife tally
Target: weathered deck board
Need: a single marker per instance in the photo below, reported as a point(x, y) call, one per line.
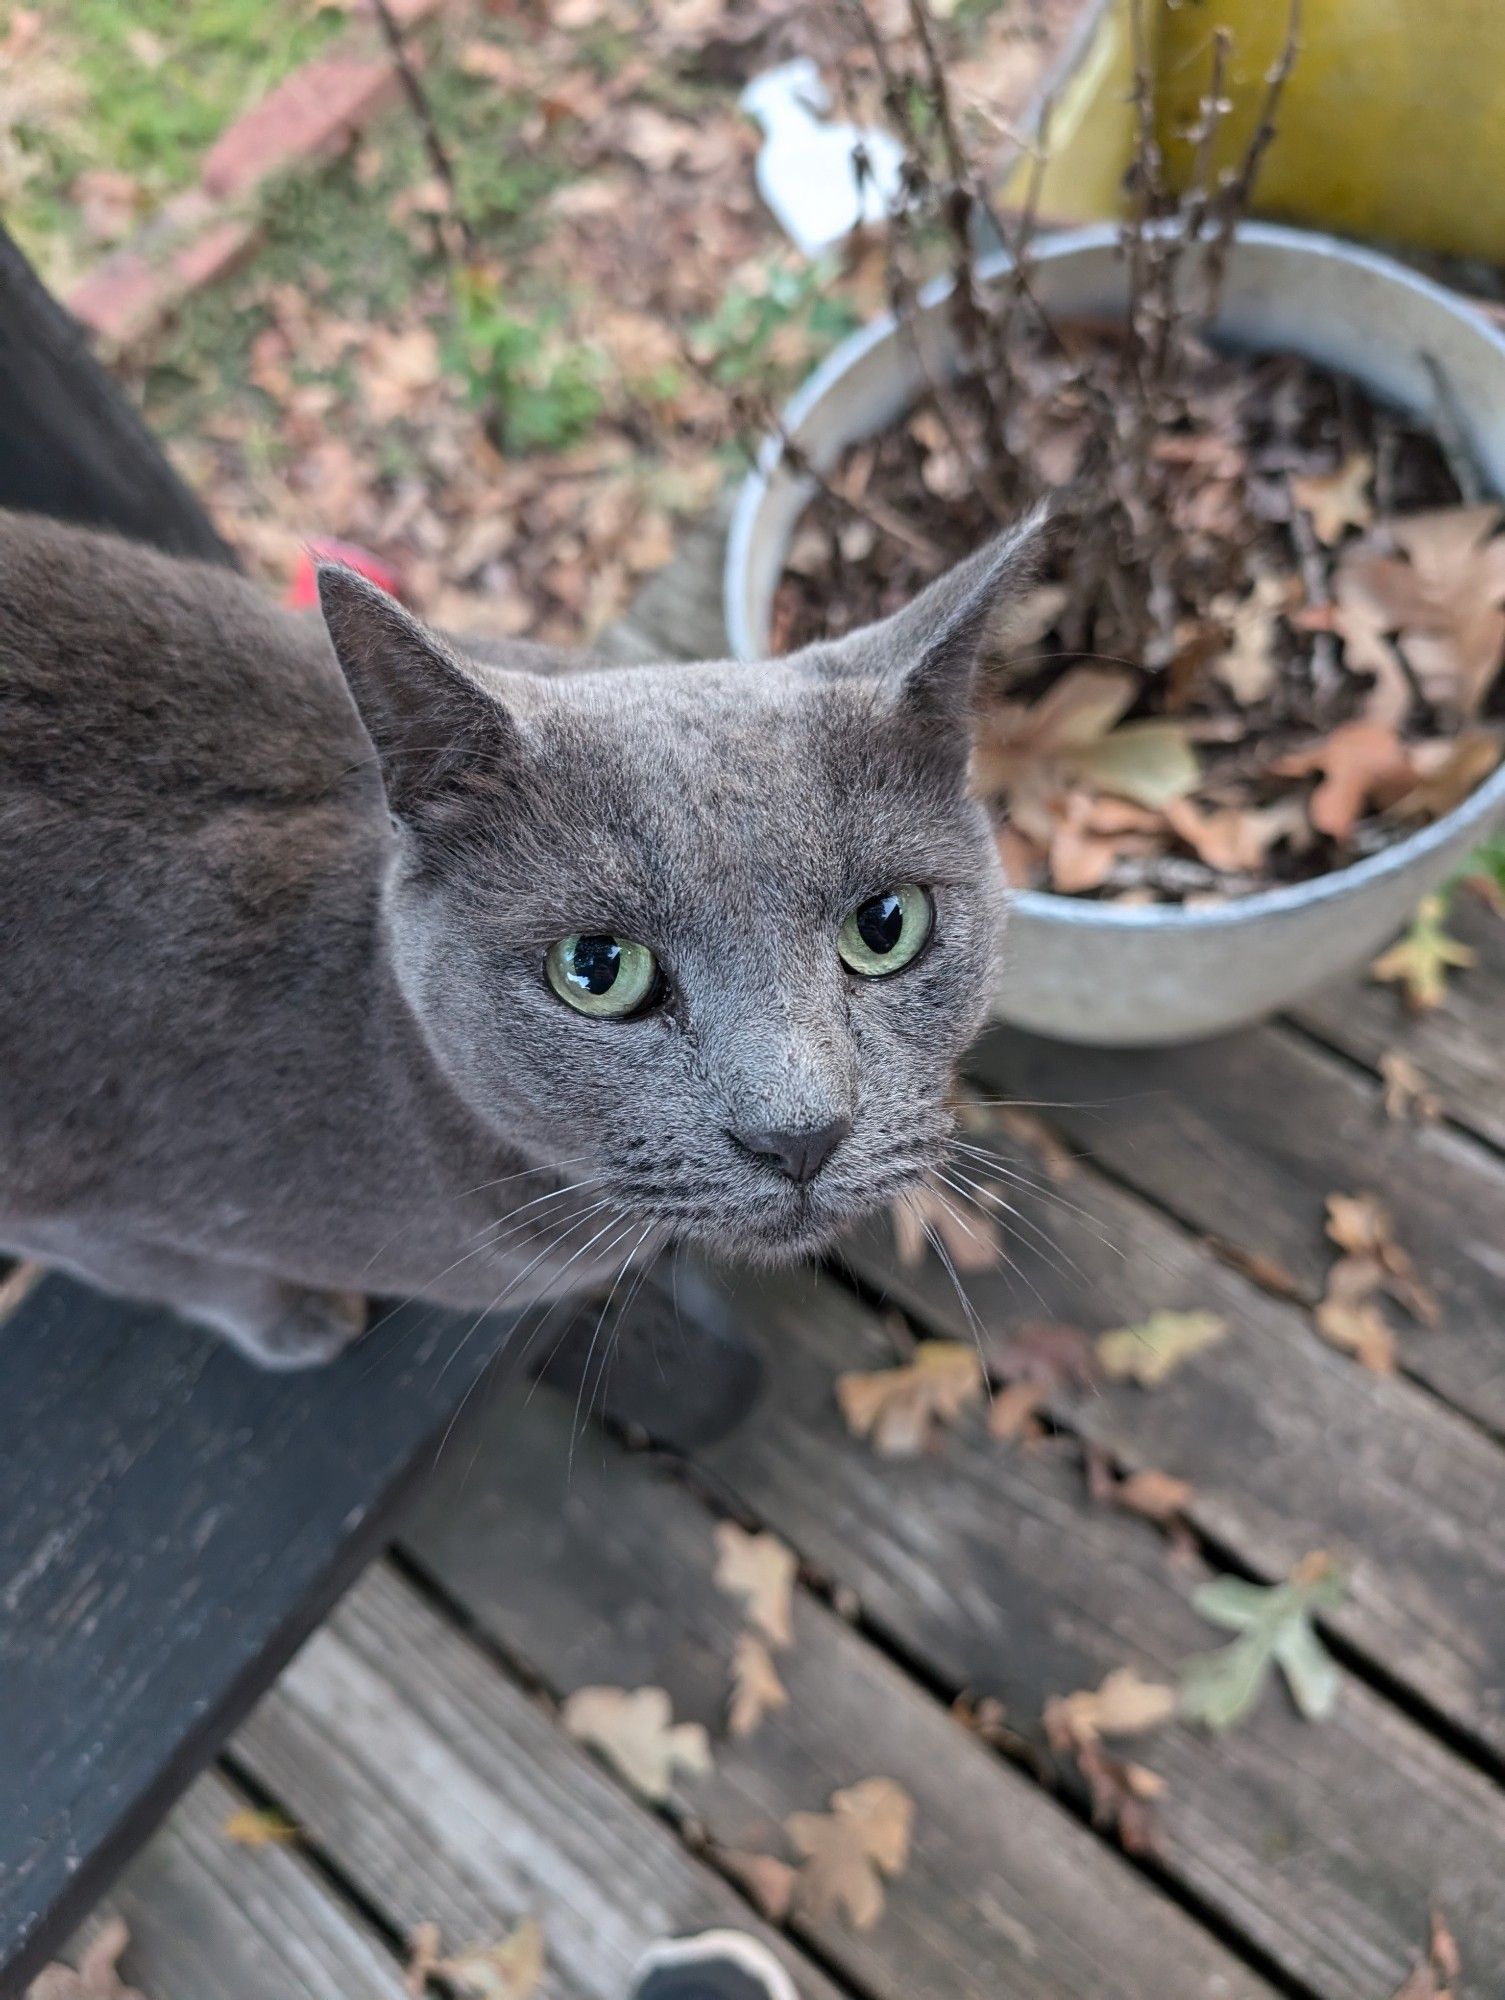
point(172, 1523)
point(1460, 1047)
point(1289, 1444)
point(1246, 1137)
point(210, 1920)
point(1323, 1846)
point(603, 1574)
point(452, 1796)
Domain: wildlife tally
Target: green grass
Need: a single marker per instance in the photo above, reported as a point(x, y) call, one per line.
point(155, 83)
point(332, 234)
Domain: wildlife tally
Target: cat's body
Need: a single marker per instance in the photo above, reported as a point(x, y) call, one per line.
point(274, 1030)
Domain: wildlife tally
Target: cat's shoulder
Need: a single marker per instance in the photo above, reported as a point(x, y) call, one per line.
point(115, 657)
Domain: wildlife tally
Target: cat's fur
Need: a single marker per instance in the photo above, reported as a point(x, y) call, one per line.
point(274, 1030)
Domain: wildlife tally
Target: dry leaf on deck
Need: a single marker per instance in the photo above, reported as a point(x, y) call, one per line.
point(900, 1408)
point(1360, 1224)
point(1436, 1977)
point(1337, 500)
point(1158, 1496)
point(846, 1853)
point(971, 1239)
point(1408, 1097)
point(97, 1976)
point(1274, 1627)
point(511, 1969)
point(756, 1687)
point(1348, 1317)
point(761, 1570)
point(1014, 1411)
point(1420, 961)
point(636, 1733)
point(768, 1881)
point(1125, 1705)
point(1152, 1351)
point(252, 1827)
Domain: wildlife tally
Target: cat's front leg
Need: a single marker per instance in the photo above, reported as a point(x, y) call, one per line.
point(293, 1326)
point(273, 1323)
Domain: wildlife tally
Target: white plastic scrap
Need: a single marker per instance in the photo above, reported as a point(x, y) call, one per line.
point(807, 170)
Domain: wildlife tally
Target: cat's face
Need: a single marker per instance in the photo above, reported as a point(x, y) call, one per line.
point(710, 938)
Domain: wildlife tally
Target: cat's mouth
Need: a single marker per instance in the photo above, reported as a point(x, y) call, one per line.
point(792, 1223)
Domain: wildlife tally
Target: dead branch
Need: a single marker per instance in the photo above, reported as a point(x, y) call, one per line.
point(428, 127)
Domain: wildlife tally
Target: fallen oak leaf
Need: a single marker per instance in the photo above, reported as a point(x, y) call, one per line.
point(1360, 1225)
point(1246, 664)
point(97, 1976)
point(1123, 1796)
point(1407, 1095)
point(1152, 1351)
point(254, 1827)
point(1360, 763)
point(636, 1733)
point(1348, 1317)
point(1150, 762)
point(899, 1409)
point(510, 1969)
point(1442, 596)
point(1014, 1410)
point(1156, 1496)
point(1274, 1627)
point(1124, 1705)
point(761, 1570)
point(971, 1239)
point(1419, 962)
point(767, 1880)
point(846, 1853)
point(756, 1687)
point(1337, 500)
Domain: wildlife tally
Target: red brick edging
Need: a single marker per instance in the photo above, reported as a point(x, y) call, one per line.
point(196, 238)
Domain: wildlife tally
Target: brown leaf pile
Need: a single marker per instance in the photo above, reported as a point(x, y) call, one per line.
point(1123, 1793)
point(1328, 674)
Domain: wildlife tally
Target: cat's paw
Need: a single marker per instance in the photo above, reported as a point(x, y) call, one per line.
point(312, 1328)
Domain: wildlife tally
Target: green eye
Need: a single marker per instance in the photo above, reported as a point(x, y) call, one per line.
point(603, 976)
point(883, 934)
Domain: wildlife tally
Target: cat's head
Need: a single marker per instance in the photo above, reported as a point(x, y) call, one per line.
point(710, 938)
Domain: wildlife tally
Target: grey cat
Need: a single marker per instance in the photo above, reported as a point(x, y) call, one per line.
point(337, 963)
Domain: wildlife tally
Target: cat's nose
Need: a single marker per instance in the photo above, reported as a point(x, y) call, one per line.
point(799, 1155)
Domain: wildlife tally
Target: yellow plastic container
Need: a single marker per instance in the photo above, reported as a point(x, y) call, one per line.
point(1392, 125)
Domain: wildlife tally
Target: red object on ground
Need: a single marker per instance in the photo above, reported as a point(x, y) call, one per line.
point(302, 593)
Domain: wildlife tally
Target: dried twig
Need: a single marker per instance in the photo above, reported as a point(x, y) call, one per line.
point(1234, 198)
point(433, 143)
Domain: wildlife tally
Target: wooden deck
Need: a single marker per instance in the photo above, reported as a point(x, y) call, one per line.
point(416, 1741)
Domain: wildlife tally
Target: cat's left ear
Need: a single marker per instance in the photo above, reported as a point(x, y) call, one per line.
point(433, 724)
point(927, 654)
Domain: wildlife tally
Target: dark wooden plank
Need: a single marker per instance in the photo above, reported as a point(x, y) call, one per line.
point(600, 1571)
point(1458, 1047)
point(1245, 1137)
point(172, 1524)
point(70, 444)
point(210, 1920)
point(1322, 1845)
point(451, 1796)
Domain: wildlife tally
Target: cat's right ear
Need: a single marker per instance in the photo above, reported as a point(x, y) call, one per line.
point(434, 726)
